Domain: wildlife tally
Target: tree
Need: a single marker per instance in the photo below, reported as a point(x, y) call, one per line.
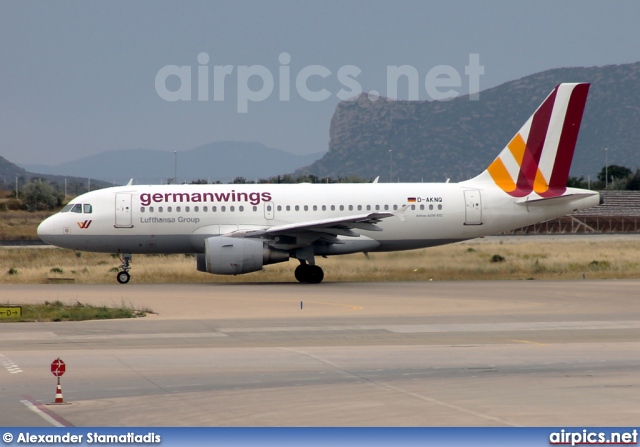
point(613, 171)
point(634, 182)
point(576, 182)
point(40, 196)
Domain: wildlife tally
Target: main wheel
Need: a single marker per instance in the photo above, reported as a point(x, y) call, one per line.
point(123, 277)
point(311, 274)
point(315, 275)
point(301, 272)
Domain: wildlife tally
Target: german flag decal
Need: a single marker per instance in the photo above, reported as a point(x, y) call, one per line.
point(411, 199)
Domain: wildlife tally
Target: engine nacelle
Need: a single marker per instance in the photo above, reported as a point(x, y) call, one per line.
point(233, 256)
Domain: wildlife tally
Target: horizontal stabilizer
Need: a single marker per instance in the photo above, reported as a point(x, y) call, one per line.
point(545, 201)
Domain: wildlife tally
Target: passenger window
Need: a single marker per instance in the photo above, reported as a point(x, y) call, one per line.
point(395, 207)
point(386, 207)
point(288, 208)
point(359, 207)
point(341, 207)
point(315, 207)
point(324, 207)
point(196, 209)
point(87, 208)
point(439, 207)
point(233, 208)
point(160, 209)
point(297, 208)
point(151, 209)
point(255, 208)
point(430, 207)
point(368, 207)
point(241, 208)
point(413, 207)
point(223, 208)
point(186, 209)
point(142, 209)
point(422, 207)
point(333, 207)
point(77, 208)
point(306, 208)
point(279, 208)
point(177, 209)
point(214, 209)
point(350, 207)
point(169, 209)
point(205, 209)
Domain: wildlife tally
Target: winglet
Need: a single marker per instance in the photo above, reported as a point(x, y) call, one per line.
point(400, 213)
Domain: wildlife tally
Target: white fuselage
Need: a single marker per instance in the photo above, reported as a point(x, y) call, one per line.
point(178, 218)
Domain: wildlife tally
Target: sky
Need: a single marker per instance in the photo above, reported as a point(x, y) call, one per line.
point(78, 78)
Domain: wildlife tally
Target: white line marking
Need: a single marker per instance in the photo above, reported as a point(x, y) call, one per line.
point(10, 365)
point(42, 414)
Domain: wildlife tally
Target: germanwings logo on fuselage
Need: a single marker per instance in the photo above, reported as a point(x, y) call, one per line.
point(254, 198)
point(84, 225)
point(538, 158)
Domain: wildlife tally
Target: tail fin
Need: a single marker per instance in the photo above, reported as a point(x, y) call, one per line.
point(538, 157)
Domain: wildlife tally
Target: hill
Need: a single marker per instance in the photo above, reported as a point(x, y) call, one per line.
point(433, 140)
point(215, 161)
point(9, 172)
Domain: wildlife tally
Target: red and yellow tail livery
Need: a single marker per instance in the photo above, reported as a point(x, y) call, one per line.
point(538, 157)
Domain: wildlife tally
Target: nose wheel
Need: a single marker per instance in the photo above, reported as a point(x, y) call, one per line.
point(123, 275)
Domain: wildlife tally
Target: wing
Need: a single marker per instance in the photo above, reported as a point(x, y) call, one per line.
point(329, 229)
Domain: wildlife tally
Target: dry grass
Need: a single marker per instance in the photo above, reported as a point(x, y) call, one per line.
point(21, 225)
point(524, 258)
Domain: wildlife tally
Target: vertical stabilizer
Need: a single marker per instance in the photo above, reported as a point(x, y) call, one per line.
point(538, 157)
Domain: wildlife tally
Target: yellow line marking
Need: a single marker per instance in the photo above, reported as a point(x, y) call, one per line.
point(527, 342)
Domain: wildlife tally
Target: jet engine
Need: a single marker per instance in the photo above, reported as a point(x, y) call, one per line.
point(232, 256)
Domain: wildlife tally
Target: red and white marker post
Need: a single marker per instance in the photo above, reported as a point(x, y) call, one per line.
point(58, 368)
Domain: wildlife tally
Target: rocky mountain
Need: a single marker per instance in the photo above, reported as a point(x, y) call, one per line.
point(222, 161)
point(434, 140)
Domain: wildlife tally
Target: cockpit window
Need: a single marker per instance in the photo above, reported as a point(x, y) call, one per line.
point(77, 208)
point(66, 208)
point(87, 208)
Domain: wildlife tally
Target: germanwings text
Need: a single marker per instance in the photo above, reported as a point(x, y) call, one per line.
point(254, 198)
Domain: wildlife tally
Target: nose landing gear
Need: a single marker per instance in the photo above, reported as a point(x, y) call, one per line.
point(123, 276)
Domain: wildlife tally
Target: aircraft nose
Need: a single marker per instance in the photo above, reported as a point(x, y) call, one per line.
point(46, 229)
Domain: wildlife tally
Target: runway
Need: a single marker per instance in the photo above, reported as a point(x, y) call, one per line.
point(488, 353)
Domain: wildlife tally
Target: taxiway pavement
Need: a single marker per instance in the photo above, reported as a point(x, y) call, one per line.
point(513, 353)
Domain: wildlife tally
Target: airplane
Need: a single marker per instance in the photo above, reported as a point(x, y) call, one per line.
point(237, 229)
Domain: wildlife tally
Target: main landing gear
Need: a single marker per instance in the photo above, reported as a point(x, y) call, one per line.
point(308, 273)
point(123, 276)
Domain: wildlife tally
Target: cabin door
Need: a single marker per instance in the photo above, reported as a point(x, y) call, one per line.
point(123, 210)
point(473, 207)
